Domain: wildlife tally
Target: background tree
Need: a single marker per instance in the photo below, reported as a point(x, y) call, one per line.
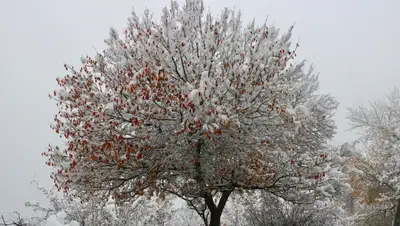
point(366, 205)
point(16, 221)
point(273, 211)
point(68, 210)
point(380, 140)
point(198, 107)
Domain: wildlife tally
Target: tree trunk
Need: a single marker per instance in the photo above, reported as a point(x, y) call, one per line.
point(216, 210)
point(215, 218)
point(396, 221)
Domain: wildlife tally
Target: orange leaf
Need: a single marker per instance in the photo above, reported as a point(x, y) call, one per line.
point(218, 131)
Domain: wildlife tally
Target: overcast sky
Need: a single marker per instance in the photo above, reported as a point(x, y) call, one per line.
point(354, 45)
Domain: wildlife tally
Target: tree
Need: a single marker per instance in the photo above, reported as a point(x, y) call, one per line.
point(19, 221)
point(198, 107)
point(66, 209)
point(273, 211)
point(380, 140)
point(365, 203)
point(261, 208)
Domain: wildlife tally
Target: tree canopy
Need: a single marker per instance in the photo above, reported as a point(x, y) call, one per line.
point(196, 106)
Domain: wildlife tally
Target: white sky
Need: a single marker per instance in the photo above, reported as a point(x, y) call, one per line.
point(354, 45)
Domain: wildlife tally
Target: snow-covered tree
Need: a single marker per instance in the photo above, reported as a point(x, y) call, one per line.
point(67, 210)
point(16, 220)
point(269, 210)
point(379, 124)
point(196, 106)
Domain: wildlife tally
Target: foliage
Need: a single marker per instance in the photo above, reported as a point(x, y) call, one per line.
point(197, 107)
point(141, 212)
point(273, 211)
point(379, 141)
